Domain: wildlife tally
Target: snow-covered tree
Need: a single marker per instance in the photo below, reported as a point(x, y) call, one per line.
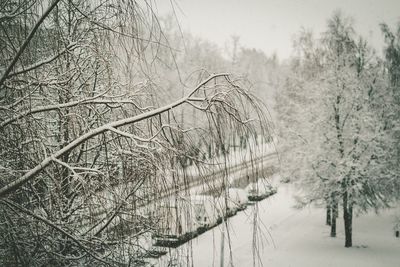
point(336, 109)
point(392, 64)
point(87, 137)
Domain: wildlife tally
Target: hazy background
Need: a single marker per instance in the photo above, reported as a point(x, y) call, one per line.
point(269, 25)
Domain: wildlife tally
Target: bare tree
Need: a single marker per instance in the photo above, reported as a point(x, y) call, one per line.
point(88, 143)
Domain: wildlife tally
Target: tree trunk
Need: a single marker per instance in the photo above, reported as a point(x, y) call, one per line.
point(334, 208)
point(328, 215)
point(348, 220)
point(333, 227)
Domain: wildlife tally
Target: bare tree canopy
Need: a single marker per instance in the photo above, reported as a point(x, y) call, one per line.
point(89, 144)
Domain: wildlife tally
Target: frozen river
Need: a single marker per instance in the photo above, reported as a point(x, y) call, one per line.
point(273, 233)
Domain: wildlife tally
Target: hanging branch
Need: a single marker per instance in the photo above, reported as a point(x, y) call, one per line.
point(27, 41)
point(56, 227)
point(97, 131)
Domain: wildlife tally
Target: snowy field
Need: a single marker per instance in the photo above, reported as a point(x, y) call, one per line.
point(292, 237)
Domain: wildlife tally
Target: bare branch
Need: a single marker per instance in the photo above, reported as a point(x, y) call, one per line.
point(87, 101)
point(27, 41)
point(43, 62)
point(83, 138)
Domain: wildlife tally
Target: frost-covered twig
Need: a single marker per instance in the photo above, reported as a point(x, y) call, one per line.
point(27, 41)
point(14, 185)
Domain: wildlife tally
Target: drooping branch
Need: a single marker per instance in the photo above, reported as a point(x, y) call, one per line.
point(21, 8)
point(97, 131)
point(27, 41)
point(41, 109)
point(43, 62)
point(52, 225)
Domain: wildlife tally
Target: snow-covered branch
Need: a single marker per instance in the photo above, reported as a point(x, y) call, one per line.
point(14, 185)
point(27, 41)
point(43, 62)
point(88, 101)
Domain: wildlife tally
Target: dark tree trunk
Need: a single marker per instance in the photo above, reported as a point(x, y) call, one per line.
point(334, 215)
point(348, 220)
point(328, 215)
point(333, 227)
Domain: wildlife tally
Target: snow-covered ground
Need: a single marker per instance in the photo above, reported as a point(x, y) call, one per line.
point(292, 237)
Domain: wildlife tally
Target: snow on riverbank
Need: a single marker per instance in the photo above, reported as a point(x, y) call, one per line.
point(292, 237)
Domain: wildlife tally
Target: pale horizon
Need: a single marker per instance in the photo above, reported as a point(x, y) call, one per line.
point(271, 25)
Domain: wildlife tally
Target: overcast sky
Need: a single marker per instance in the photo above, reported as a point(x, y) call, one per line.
point(269, 25)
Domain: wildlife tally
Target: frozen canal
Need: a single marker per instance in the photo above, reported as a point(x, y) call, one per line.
point(284, 236)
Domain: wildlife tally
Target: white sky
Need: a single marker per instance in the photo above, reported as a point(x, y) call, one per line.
point(269, 25)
